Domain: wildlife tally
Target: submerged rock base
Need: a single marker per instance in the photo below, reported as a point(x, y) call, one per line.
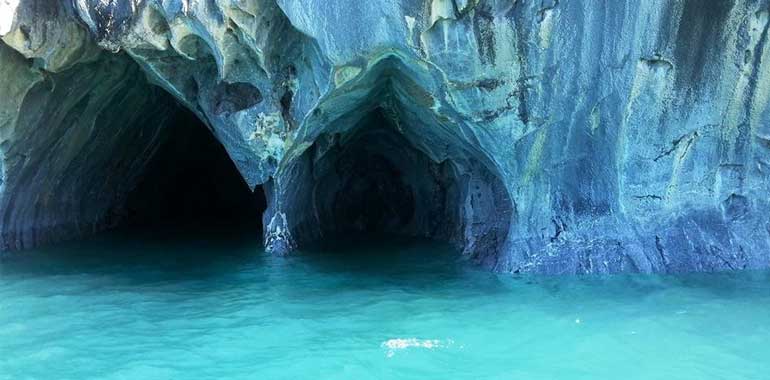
point(543, 136)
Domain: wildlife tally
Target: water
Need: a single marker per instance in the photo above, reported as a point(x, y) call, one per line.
point(131, 308)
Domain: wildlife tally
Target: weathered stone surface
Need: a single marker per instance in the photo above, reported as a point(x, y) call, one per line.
point(560, 137)
point(72, 145)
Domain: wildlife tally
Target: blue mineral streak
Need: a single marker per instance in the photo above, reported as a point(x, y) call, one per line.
point(537, 136)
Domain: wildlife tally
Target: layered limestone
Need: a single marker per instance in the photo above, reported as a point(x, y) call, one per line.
point(539, 136)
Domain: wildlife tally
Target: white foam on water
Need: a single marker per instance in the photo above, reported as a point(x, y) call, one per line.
point(392, 345)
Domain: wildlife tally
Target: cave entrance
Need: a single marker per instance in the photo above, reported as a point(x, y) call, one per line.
point(382, 179)
point(191, 185)
point(373, 182)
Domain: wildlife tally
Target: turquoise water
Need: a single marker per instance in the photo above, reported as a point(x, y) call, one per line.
point(128, 308)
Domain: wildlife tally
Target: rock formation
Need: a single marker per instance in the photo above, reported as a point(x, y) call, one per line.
point(538, 136)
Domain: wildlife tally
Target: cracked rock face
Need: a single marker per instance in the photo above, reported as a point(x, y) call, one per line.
point(539, 136)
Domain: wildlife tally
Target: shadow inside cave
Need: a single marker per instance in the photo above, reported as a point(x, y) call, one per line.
point(373, 183)
point(382, 181)
point(191, 186)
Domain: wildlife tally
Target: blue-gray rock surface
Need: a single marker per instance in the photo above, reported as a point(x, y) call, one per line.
point(538, 136)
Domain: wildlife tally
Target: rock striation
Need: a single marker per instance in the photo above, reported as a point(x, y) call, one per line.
point(538, 136)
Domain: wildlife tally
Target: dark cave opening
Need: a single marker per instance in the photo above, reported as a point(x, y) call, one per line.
point(378, 182)
point(191, 185)
point(366, 183)
point(373, 198)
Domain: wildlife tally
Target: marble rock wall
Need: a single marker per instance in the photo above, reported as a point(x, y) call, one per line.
point(565, 136)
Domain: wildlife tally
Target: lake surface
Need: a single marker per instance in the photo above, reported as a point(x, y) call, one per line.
point(129, 307)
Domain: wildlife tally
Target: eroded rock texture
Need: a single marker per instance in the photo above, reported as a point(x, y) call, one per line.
point(544, 136)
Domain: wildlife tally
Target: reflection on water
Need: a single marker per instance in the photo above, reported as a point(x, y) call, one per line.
point(128, 307)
